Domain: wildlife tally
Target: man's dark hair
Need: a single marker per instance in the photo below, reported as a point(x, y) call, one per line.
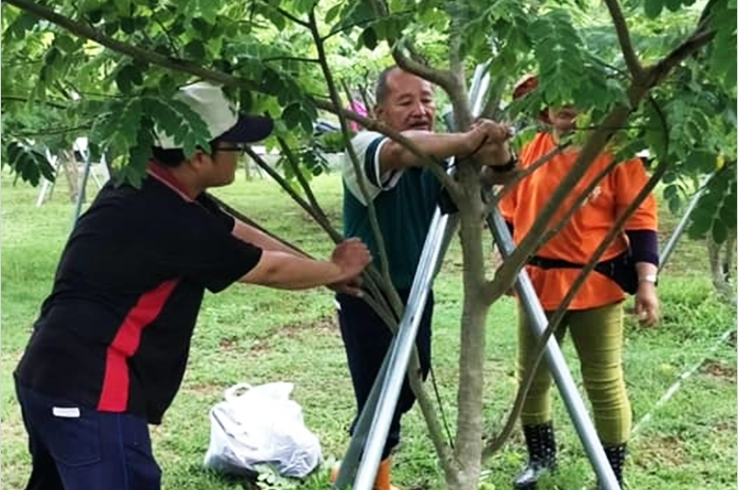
point(381, 91)
point(173, 157)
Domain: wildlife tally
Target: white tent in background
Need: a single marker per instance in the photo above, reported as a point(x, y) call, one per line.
point(78, 166)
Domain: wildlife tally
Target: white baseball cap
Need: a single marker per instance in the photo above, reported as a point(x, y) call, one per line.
point(220, 116)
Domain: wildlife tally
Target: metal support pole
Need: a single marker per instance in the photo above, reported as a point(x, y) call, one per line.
point(350, 461)
point(393, 375)
point(556, 363)
point(677, 233)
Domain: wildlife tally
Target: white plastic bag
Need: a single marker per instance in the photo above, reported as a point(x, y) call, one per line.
point(261, 425)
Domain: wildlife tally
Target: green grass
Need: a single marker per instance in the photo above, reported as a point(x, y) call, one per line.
point(258, 335)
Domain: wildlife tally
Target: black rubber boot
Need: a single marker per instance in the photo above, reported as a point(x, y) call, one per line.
point(541, 455)
point(616, 456)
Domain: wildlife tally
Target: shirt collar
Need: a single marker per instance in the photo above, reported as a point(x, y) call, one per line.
point(164, 175)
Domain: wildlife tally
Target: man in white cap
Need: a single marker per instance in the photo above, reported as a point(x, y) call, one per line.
point(110, 346)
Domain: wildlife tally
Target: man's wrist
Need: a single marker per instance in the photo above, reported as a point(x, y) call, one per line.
point(511, 163)
point(473, 144)
point(648, 279)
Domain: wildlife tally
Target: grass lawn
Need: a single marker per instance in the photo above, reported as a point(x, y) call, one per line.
point(256, 335)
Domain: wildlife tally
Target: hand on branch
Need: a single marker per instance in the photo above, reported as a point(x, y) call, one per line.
point(488, 143)
point(352, 256)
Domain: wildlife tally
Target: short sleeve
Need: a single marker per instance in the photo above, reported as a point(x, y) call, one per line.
point(628, 179)
point(208, 203)
point(198, 245)
point(367, 145)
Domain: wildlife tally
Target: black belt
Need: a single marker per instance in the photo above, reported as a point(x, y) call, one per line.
point(620, 269)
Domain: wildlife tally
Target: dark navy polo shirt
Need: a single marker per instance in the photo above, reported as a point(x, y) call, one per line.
point(114, 334)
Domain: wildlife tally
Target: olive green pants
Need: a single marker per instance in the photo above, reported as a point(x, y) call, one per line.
point(597, 334)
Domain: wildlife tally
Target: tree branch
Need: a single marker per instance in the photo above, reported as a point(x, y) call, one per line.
point(438, 77)
point(15, 98)
point(237, 214)
point(373, 125)
point(134, 52)
point(520, 175)
point(696, 41)
point(49, 131)
point(293, 18)
point(336, 101)
point(621, 28)
point(291, 58)
point(170, 40)
point(287, 151)
point(333, 32)
point(321, 220)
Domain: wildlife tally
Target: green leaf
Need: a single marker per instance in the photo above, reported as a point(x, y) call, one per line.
point(52, 55)
point(292, 115)
point(653, 8)
point(128, 76)
point(175, 118)
point(128, 25)
point(559, 51)
point(369, 38)
point(140, 153)
point(245, 100)
point(27, 163)
point(669, 177)
point(674, 5)
point(206, 9)
point(195, 50)
point(95, 15)
point(719, 231)
point(123, 7)
point(671, 191)
point(728, 215)
point(118, 124)
point(202, 27)
point(111, 27)
point(65, 43)
point(701, 160)
point(701, 222)
point(332, 13)
point(23, 23)
point(675, 205)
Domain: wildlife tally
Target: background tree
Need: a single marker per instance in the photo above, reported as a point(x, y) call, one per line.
point(657, 75)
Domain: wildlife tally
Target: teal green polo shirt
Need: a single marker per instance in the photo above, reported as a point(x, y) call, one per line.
point(404, 201)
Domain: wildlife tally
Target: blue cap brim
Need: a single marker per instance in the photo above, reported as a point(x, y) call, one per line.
point(248, 129)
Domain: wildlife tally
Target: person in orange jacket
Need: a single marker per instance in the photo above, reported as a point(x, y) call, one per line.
point(595, 316)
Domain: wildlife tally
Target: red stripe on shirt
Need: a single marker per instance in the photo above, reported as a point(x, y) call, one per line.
point(114, 395)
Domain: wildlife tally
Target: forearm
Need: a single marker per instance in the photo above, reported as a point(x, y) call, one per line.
point(286, 271)
point(257, 237)
point(438, 145)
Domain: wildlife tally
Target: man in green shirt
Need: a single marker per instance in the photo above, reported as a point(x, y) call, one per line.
point(405, 195)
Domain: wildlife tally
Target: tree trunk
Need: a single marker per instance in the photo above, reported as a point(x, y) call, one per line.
point(71, 171)
point(721, 258)
point(470, 424)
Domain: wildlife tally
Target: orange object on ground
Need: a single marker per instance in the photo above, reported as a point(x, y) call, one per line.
point(382, 481)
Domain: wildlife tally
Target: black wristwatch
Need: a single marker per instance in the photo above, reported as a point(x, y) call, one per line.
point(510, 165)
